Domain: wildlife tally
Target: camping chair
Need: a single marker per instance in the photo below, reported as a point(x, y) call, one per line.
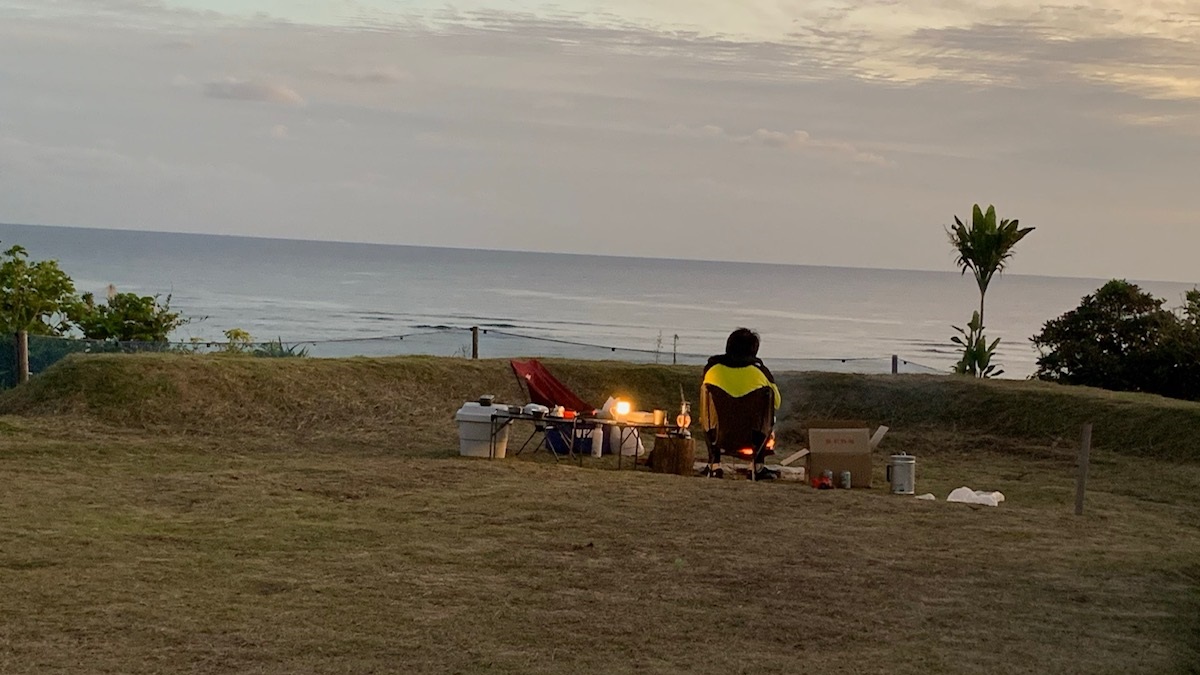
point(545, 389)
point(739, 426)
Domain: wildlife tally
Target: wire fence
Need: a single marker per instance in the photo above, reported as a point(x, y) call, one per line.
point(450, 341)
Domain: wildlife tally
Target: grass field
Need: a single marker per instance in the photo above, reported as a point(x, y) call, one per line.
point(226, 515)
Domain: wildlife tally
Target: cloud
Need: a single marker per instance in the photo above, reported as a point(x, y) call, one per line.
point(252, 90)
point(553, 103)
point(528, 121)
point(104, 163)
point(178, 44)
point(1135, 119)
point(793, 141)
point(154, 15)
point(1025, 53)
point(280, 132)
point(381, 75)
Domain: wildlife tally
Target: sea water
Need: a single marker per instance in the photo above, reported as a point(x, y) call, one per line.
point(308, 291)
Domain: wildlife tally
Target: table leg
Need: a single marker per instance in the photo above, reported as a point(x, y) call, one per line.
point(636, 436)
point(625, 433)
point(570, 443)
point(575, 436)
point(492, 438)
point(620, 445)
point(497, 424)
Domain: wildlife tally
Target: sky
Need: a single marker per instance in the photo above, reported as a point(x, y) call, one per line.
point(827, 132)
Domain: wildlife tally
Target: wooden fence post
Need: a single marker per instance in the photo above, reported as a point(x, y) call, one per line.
point(895, 364)
point(22, 357)
point(1085, 450)
point(474, 342)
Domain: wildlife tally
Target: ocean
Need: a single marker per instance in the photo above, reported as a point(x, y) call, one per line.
point(347, 298)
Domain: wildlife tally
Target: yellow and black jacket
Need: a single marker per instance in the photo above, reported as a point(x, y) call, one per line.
point(738, 376)
point(738, 400)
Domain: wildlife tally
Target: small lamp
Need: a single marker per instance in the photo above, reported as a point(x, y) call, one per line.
point(622, 408)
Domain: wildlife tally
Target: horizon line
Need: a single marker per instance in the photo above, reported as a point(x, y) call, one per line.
point(567, 253)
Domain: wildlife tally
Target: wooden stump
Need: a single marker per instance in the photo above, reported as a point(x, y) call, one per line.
point(673, 455)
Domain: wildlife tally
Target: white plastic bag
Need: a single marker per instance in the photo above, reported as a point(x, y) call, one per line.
point(965, 495)
point(632, 442)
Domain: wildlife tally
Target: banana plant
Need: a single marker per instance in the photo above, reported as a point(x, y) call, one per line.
point(984, 248)
point(977, 354)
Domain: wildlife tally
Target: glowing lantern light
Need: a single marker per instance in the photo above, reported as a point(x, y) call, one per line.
point(622, 408)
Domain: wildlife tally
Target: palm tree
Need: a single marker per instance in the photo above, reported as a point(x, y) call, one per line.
point(985, 247)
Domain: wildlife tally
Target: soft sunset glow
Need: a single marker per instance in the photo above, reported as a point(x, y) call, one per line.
point(842, 133)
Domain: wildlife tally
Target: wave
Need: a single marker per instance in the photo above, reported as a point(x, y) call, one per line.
point(725, 310)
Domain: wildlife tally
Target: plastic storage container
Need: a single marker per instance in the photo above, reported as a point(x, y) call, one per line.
point(475, 430)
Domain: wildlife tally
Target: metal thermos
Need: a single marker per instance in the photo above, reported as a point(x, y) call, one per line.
point(902, 474)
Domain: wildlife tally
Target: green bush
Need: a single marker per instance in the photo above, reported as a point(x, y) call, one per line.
point(127, 317)
point(34, 296)
point(1123, 339)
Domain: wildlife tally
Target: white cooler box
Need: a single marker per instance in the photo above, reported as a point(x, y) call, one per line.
point(475, 430)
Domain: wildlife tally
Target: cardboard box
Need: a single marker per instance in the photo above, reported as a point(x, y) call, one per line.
point(840, 446)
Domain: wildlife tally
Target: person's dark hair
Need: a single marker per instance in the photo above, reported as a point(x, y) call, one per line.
point(742, 342)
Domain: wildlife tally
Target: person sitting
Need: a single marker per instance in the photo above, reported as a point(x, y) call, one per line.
point(742, 376)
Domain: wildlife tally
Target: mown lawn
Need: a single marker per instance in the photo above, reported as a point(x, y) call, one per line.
point(131, 551)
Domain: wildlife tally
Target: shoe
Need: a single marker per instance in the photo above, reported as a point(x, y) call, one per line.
point(765, 474)
point(709, 472)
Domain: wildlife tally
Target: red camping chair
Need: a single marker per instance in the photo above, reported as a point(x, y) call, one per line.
point(545, 389)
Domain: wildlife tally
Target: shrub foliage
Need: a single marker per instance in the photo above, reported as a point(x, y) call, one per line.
point(34, 296)
point(127, 317)
point(1124, 339)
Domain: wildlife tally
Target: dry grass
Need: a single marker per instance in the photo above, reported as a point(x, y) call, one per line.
point(385, 401)
point(248, 546)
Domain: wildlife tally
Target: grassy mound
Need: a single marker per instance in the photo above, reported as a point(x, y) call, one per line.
point(305, 515)
point(409, 402)
point(1024, 411)
point(399, 402)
